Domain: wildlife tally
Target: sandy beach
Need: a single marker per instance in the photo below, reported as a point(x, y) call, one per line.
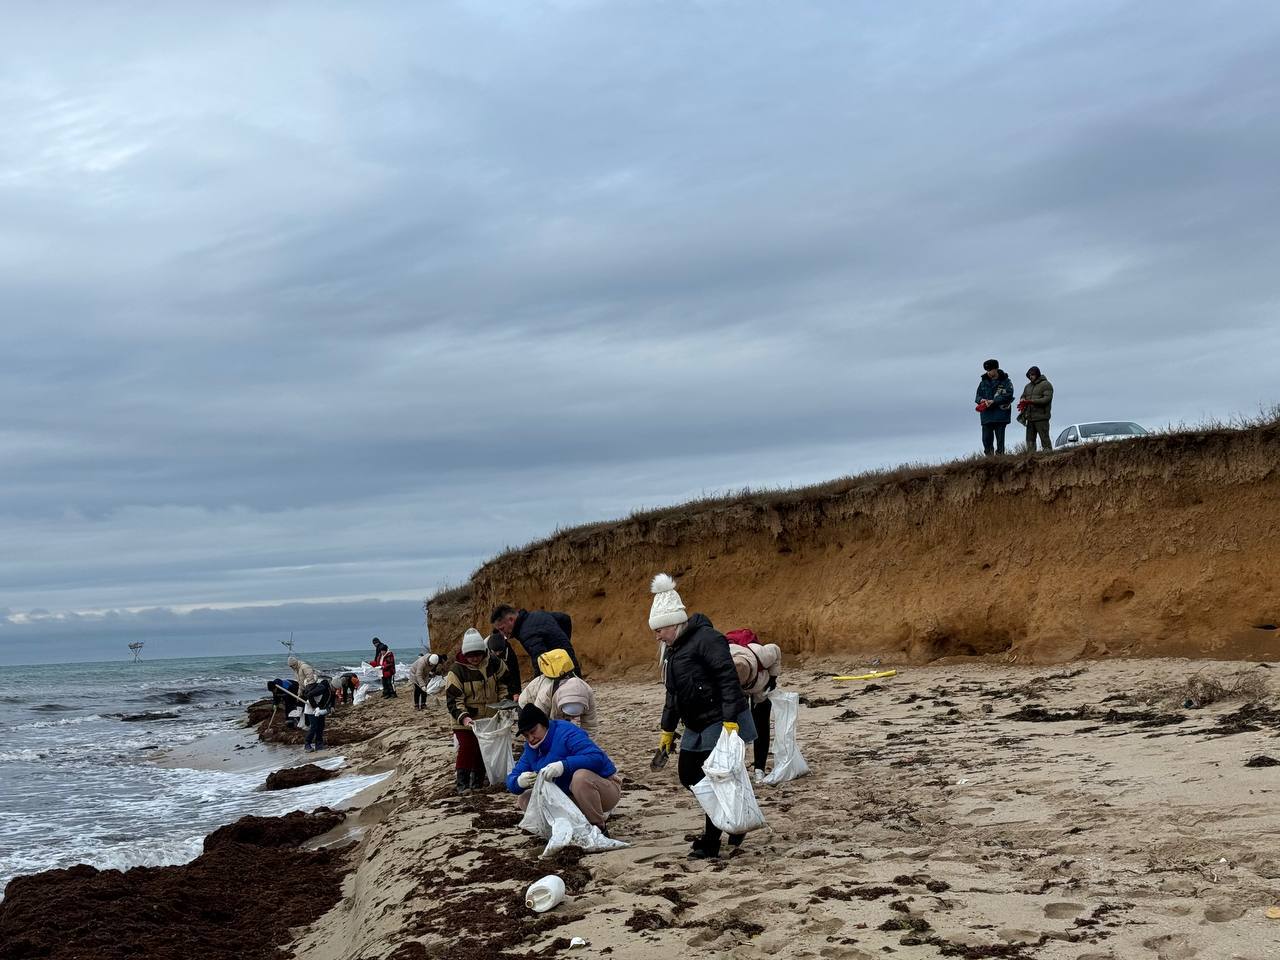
point(962, 809)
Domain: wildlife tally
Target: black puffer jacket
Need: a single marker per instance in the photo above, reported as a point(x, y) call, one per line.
point(702, 684)
point(498, 647)
point(319, 695)
point(539, 631)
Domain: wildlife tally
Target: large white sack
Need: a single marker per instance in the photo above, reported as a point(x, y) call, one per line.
point(724, 792)
point(554, 816)
point(435, 686)
point(495, 736)
point(361, 694)
point(788, 764)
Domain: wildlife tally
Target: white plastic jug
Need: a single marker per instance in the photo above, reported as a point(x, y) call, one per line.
point(544, 894)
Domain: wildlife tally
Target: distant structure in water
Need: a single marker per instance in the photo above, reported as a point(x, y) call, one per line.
point(288, 644)
point(136, 647)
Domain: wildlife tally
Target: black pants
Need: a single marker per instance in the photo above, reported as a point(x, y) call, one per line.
point(690, 770)
point(387, 689)
point(760, 715)
point(315, 732)
point(419, 696)
point(993, 434)
point(1038, 428)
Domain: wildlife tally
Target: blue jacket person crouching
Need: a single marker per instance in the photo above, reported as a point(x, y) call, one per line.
point(563, 752)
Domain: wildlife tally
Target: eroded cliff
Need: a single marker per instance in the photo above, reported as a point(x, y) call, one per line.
point(1165, 545)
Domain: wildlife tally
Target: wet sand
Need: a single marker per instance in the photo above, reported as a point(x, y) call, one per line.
point(963, 809)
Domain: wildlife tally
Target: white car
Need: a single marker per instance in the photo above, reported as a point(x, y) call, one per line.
point(1099, 432)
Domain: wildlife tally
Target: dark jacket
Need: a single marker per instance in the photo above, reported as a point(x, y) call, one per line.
point(1000, 394)
point(278, 695)
point(539, 631)
point(571, 745)
point(319, 695)
point(1039, 396)
point(702, 683)
point(498, 647)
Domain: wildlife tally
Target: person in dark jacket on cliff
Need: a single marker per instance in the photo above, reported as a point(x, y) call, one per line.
point(994, 400)
point(1035, 409)
point(564, 753)
point(703, 692)
point(538, 631)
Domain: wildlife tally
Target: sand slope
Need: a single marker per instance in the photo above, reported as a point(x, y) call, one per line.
point(1139, 833)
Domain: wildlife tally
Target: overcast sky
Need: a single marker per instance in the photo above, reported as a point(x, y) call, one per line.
point(330, 302)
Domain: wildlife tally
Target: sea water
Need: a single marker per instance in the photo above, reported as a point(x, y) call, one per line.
point(80, 784)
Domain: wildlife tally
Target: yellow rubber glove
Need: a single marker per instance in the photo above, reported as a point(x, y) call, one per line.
point(730, 727)
point(668, 740)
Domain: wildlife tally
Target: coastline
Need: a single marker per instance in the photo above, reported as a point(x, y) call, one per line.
point(967, 808)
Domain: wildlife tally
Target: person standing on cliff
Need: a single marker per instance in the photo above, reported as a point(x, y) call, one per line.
point(994, 401)
point(1035, 408)
point(538, 631)
point(702, 691)
point(475, 681)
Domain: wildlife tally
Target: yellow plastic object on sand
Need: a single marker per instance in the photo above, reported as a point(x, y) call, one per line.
point(878, 675)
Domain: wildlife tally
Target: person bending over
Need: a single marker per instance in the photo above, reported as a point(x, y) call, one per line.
point(565, 754)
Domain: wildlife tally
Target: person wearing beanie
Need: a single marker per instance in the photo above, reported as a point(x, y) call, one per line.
point(475, 681)
point(384, 658)
point(538, 631)
point(994, 401)
point(1035, 409)
point(559, 692)
point(758, 666)
point(702, 692)
point(420, 673)
point(565, 754)
point(504, 651)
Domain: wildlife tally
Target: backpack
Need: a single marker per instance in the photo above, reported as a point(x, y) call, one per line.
point(742, 637)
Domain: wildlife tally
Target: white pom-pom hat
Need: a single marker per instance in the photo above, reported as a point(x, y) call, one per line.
point(473, 642)
point(668, 609)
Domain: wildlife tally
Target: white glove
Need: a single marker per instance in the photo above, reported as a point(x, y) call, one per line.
point(552, 771)
point(526, 779)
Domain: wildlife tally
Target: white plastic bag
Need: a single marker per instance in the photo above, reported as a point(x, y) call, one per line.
point(361, 694)
point(788, 764)
point(495, 736)
point(725, 793)
point(434, 686)
point(554, 816)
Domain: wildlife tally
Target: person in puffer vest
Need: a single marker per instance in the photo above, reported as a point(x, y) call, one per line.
point(758, 666)
point(559, 692)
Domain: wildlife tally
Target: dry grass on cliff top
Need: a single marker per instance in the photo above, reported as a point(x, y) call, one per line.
point(1160, 443)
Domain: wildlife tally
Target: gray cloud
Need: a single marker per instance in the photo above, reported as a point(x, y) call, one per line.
point(309, 302)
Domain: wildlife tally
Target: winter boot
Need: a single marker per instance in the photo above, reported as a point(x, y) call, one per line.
point(478, 780)
point(464, 781)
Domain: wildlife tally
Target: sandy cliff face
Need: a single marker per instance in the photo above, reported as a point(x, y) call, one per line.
point(1164, 546)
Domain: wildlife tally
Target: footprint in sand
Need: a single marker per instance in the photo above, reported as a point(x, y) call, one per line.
point(1171, 947)
point(1063, 911)
point(1220, 911)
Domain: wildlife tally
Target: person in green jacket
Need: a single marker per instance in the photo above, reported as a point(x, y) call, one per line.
point(1035, 408)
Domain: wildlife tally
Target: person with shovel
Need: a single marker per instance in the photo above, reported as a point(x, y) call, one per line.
point(474, 683)
point(284, 696)
point(563, 753)
point(703, 692)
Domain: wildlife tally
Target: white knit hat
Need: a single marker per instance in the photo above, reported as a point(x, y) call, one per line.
point(473, 642)
point(668, 608)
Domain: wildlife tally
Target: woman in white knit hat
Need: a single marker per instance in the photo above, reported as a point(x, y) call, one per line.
point(703, 692)
point(475, 681)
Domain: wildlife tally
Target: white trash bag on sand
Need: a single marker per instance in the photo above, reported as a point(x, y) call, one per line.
point(495, 736)
point(725, 793)
point(554, 816)
point(788, 764)
point(435, 686)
